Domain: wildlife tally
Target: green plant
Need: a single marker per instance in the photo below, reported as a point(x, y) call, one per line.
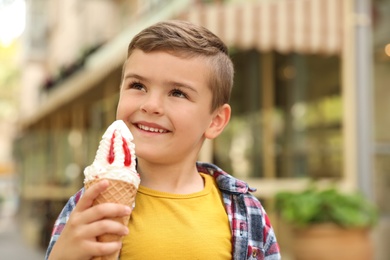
point(314, 206)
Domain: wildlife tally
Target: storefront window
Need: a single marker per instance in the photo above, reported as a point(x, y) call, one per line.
point(287, 117)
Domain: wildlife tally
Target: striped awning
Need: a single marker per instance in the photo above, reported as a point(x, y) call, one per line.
point(301, 26)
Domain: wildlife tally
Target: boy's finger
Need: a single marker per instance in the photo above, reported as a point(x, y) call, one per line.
point(91, 194)
point(104, 248)
point(106, 226)
point(106, 210)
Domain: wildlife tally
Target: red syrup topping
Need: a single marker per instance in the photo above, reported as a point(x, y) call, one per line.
point(111, 154)
point(126, 151)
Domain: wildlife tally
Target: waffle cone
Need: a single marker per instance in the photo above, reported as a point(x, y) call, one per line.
point(117, 192)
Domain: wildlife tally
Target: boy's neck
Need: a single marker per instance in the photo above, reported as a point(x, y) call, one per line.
point(178, 179)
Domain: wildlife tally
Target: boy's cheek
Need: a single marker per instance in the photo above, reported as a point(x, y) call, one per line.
point(120, 111)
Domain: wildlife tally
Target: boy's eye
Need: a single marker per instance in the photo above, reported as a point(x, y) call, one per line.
point(136, 85)
point(178, 93)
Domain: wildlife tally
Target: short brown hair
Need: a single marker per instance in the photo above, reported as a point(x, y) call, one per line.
point(182, 38)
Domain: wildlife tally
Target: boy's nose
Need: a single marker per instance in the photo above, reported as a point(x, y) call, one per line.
point(152, 105)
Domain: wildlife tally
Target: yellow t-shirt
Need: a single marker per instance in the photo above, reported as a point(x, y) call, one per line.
point(171, 226)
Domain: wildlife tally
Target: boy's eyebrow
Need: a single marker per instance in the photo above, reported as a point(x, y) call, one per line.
point(132, 75)
point(182, 85)
point(168, 83)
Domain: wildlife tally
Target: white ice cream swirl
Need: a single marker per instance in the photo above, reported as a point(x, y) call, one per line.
point(116, 140)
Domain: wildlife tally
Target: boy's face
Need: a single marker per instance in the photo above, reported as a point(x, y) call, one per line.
point(165, 101)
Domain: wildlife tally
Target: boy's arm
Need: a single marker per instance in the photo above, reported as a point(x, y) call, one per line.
point(62, 219)
point(75, 232)
point(260, 232)
point(271, 247)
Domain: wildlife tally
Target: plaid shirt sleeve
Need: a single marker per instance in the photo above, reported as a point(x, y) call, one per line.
point(252, 234)
point(261, 232)
point(62, 220)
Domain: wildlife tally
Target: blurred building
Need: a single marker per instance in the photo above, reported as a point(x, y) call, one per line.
point(308, 102)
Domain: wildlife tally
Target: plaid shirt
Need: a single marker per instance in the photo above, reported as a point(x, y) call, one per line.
point(252, 233)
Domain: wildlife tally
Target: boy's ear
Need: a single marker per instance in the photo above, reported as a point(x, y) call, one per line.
point(220, 120)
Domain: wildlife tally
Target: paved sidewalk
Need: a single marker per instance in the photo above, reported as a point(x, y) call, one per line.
point(12, 245)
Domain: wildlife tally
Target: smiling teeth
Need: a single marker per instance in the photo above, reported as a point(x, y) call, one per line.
point(151, 129)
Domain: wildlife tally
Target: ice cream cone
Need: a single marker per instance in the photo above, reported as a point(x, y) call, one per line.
point(117, 192)
point(115, 161)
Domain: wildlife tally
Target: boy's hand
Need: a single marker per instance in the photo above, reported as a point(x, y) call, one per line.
point(78, 239)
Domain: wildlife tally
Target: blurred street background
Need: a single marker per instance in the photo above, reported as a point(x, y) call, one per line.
point(13, 245)
point(310, 101)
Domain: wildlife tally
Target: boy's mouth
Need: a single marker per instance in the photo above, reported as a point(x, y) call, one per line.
point(151, 129)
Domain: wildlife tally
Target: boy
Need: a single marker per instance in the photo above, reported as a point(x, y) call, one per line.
point(174, 94)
